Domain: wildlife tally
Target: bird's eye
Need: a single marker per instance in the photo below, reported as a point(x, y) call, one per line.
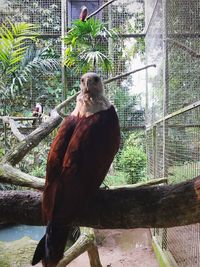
point(82, 80)
point(96, 79)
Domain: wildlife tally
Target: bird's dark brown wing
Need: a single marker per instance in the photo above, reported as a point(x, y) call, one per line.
point(54, 163)
point(90, 152)
point(75, 171)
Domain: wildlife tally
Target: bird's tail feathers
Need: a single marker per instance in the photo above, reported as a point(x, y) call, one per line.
point(51, 247)
point(39, 251)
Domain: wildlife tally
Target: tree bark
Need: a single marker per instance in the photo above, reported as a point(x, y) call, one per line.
point(156, 206)
point(16, 154)
point(86, 242)
point(14, 128)
point(11, 175)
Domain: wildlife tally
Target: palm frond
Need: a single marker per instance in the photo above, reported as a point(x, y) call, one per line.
point(13, 43)
point(95, 57)
point(84, 45)
point(37, 61)
point(2, 85)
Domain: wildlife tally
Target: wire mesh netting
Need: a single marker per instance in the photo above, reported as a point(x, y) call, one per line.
point(172, 42)
point(173, 93)
point(45, 14)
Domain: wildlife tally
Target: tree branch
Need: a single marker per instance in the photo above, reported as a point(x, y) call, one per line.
point(16, 154)
point(11, 175)
point(142, 184)
point(67, 101)
point(99, 9)
point(128, 73)
point(13, 127)
point(157, 206)
point(86, 242)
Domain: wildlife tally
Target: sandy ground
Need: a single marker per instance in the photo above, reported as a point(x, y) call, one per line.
point(122, 248)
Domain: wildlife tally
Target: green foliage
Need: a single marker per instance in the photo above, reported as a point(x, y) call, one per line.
point(125, 104)
point(13, 46)
point(39, 171)
point(37, 60)
point(84, 50)
point(116, 178)
point(22, 62)
point(132, 159)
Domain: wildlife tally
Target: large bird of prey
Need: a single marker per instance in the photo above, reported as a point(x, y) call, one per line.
point(78, 161)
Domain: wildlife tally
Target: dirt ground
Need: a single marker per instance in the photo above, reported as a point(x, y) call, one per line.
point(122, 248)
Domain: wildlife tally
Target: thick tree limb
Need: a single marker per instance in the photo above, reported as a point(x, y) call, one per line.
point(11, 175)
point(157, 206)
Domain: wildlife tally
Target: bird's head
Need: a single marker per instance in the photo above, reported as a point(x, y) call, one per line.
point(91, 84)
point(38, 107)
point(83, 8)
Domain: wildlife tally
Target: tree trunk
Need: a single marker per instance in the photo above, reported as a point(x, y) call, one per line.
point(147, 206)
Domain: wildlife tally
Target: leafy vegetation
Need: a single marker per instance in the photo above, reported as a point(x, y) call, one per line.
point(115, 178)
point(20, 62)
point(86, 46)
point(132, 159)
point(13, 46)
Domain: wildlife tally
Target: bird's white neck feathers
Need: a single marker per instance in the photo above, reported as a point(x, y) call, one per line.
point(87, 105)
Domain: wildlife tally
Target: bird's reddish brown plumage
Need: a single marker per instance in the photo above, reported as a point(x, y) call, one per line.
point(78, 161)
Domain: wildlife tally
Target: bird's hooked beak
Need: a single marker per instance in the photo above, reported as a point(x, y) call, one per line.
point(88, 85)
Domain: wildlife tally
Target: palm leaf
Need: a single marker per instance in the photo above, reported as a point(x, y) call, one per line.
point(13, 44)
point(84, 46)
point(37, 61)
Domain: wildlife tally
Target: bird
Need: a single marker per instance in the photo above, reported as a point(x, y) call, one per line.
point(84, 13)
point(37, 112)
point(78, 161)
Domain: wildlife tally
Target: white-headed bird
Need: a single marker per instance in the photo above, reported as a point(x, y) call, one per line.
point(78, 161)
point(84, 13)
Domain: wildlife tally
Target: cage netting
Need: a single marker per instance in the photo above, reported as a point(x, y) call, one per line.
point(173, 126)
